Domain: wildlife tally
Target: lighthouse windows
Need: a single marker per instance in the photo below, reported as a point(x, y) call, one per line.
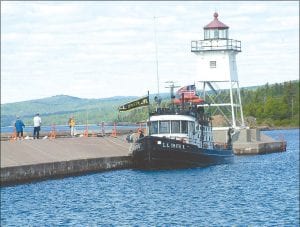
point(206, 34)
point(213, 64)
point(223, 34)
point(216, 33)
point(211, 33)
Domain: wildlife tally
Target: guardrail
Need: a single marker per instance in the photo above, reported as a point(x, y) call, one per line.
point(215, 44)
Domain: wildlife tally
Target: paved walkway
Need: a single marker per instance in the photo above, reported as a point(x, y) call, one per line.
point(30, 152)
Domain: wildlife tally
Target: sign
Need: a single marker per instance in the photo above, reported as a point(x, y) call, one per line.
point(134, 104)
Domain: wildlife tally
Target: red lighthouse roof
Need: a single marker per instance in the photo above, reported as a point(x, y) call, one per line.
point(216, 23)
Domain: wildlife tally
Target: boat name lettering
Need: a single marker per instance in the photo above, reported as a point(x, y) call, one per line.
point(173, 145)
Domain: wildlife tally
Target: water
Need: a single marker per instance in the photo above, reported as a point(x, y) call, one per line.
point(260, 190)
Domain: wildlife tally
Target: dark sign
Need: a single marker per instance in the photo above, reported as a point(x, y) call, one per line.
point(134, 104)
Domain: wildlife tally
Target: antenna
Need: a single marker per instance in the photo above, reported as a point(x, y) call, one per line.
point(156, 55)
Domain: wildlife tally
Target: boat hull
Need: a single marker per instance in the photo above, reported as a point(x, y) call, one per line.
point(163, 153)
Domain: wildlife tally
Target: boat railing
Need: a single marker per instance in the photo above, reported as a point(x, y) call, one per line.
point(167, 111)
point(203, 118)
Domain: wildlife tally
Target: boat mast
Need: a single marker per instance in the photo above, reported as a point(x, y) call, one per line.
point(157, 98)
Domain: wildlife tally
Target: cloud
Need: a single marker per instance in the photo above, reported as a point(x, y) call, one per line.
point(47, 9)
point(108, 48)
point(9, 37)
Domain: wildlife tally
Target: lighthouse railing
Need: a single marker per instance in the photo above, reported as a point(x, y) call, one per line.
point(215, 44)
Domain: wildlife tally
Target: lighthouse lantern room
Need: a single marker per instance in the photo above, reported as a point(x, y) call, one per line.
point(216, 63)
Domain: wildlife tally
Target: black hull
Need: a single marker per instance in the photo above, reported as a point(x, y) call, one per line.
point(163, 153)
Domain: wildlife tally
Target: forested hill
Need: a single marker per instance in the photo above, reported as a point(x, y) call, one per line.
point(58, 109)
point(271, 105)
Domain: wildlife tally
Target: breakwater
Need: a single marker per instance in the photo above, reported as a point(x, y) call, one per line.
point(28, 173)
point(30, 160)
point(251, 141)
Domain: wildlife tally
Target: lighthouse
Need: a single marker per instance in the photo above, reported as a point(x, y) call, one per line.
point(215, 65)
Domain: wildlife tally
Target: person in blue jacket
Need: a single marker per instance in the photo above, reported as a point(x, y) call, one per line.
point(19, 127)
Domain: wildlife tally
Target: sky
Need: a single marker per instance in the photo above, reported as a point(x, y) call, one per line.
point(101, 49)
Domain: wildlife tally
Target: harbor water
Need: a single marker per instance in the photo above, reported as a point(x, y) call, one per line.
point(258, 190)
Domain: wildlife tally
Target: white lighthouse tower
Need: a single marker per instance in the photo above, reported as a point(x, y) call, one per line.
point(216, 64)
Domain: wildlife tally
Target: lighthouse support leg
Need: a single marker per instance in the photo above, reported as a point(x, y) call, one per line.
point(240, 103)
point(232, 107)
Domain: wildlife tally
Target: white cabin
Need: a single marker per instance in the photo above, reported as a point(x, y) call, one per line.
point(181, 127)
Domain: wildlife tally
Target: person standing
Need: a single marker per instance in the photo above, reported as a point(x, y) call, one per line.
point(141, 134)
point(72, 125)
point(19, 127)
point(37, 121)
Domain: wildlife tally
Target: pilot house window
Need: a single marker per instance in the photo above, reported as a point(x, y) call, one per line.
point(184, 127)
point(154, 127)
point(164, 127)
point(175, 126)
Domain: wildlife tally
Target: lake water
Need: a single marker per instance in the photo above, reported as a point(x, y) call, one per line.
point(260, 190)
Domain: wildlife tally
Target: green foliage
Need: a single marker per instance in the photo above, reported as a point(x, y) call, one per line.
point(58, 109)
point(273, 105)
point(270, 105)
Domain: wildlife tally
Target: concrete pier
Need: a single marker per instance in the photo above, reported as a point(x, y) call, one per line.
point(250, 142)
point(29, 160)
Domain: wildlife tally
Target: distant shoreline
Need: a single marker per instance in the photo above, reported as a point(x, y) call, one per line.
point(267, 128)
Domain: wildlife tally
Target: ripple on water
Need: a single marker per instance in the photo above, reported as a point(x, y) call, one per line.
point(254, 190)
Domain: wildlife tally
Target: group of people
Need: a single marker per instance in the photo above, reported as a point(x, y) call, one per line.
point(37, 121)
point(19, 125)
point(132, 137)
